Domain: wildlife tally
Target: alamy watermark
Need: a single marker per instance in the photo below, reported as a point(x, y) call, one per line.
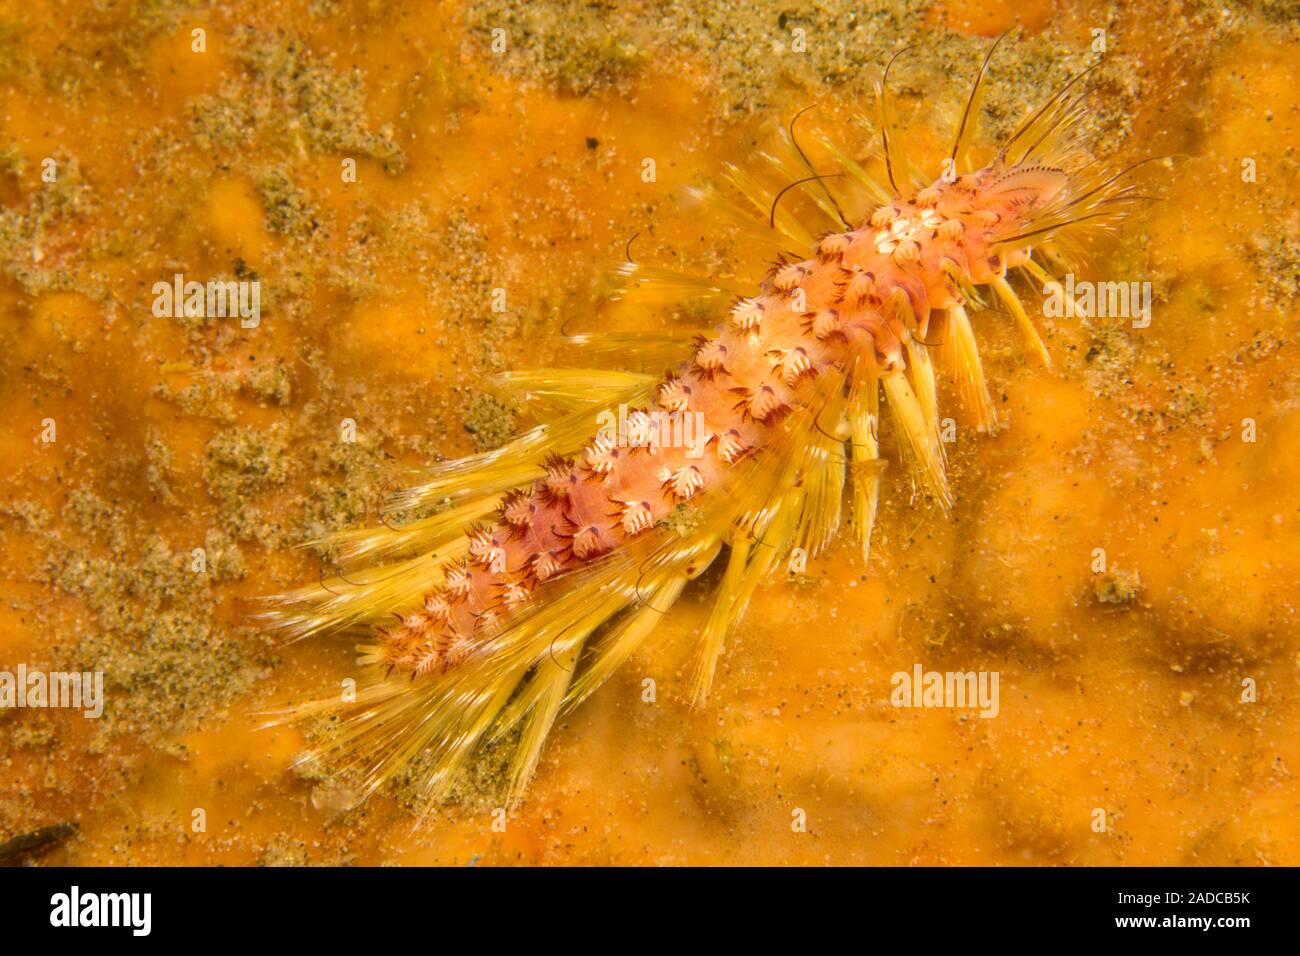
point(952, 689)
point(75, 908)
point(655, 429)
point(77, 690)
point(214, 299)
point(1089, 300)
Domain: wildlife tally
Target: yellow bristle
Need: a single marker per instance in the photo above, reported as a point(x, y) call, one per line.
point(1032, 339)
point(864, 418)
point(963, 358)
point(920, 440)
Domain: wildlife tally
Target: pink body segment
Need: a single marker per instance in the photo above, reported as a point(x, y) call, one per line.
point(862, 294)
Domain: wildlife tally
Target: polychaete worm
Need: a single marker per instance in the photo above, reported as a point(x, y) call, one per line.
point(540, 567)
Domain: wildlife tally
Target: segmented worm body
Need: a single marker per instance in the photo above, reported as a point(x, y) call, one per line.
point(542, 566)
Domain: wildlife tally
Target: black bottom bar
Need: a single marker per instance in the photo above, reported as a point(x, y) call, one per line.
point(335, 906)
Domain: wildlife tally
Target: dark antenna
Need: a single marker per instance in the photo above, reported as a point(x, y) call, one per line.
point(1025, 126)
point(771, 217)
point(884, 118)
point(809, 166)
point(974, 92)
